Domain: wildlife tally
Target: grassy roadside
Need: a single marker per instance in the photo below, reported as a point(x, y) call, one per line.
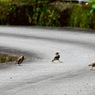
point(4, 58)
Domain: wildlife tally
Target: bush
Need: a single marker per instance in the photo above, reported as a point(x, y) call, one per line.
point(43, 14)
point(82, 18)
point(17, 15)
point(28, 14)
point(3, 13)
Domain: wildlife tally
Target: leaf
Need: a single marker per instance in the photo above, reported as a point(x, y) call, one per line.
point(91, 11)
point(93, 6)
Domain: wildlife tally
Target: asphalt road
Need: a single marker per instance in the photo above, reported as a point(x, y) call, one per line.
point(38, 75)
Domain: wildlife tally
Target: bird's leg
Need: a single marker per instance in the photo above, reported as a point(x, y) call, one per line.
point(60, 61)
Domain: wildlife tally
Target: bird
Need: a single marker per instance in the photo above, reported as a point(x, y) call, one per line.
point(20, 60)
point(92, 64)
point(56, 57)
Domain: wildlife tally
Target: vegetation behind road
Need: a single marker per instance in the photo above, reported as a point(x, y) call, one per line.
point(46, 13)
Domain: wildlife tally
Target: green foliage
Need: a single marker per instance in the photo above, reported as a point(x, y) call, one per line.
point(41, 13)
point(92, 8)
point(92, 1)
point(35, 13)
point(43, 16)
point(82, 18)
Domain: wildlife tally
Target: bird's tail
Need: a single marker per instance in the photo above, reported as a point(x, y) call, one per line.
point(90, 65)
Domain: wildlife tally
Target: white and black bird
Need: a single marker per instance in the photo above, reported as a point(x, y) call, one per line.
point(56, 57)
